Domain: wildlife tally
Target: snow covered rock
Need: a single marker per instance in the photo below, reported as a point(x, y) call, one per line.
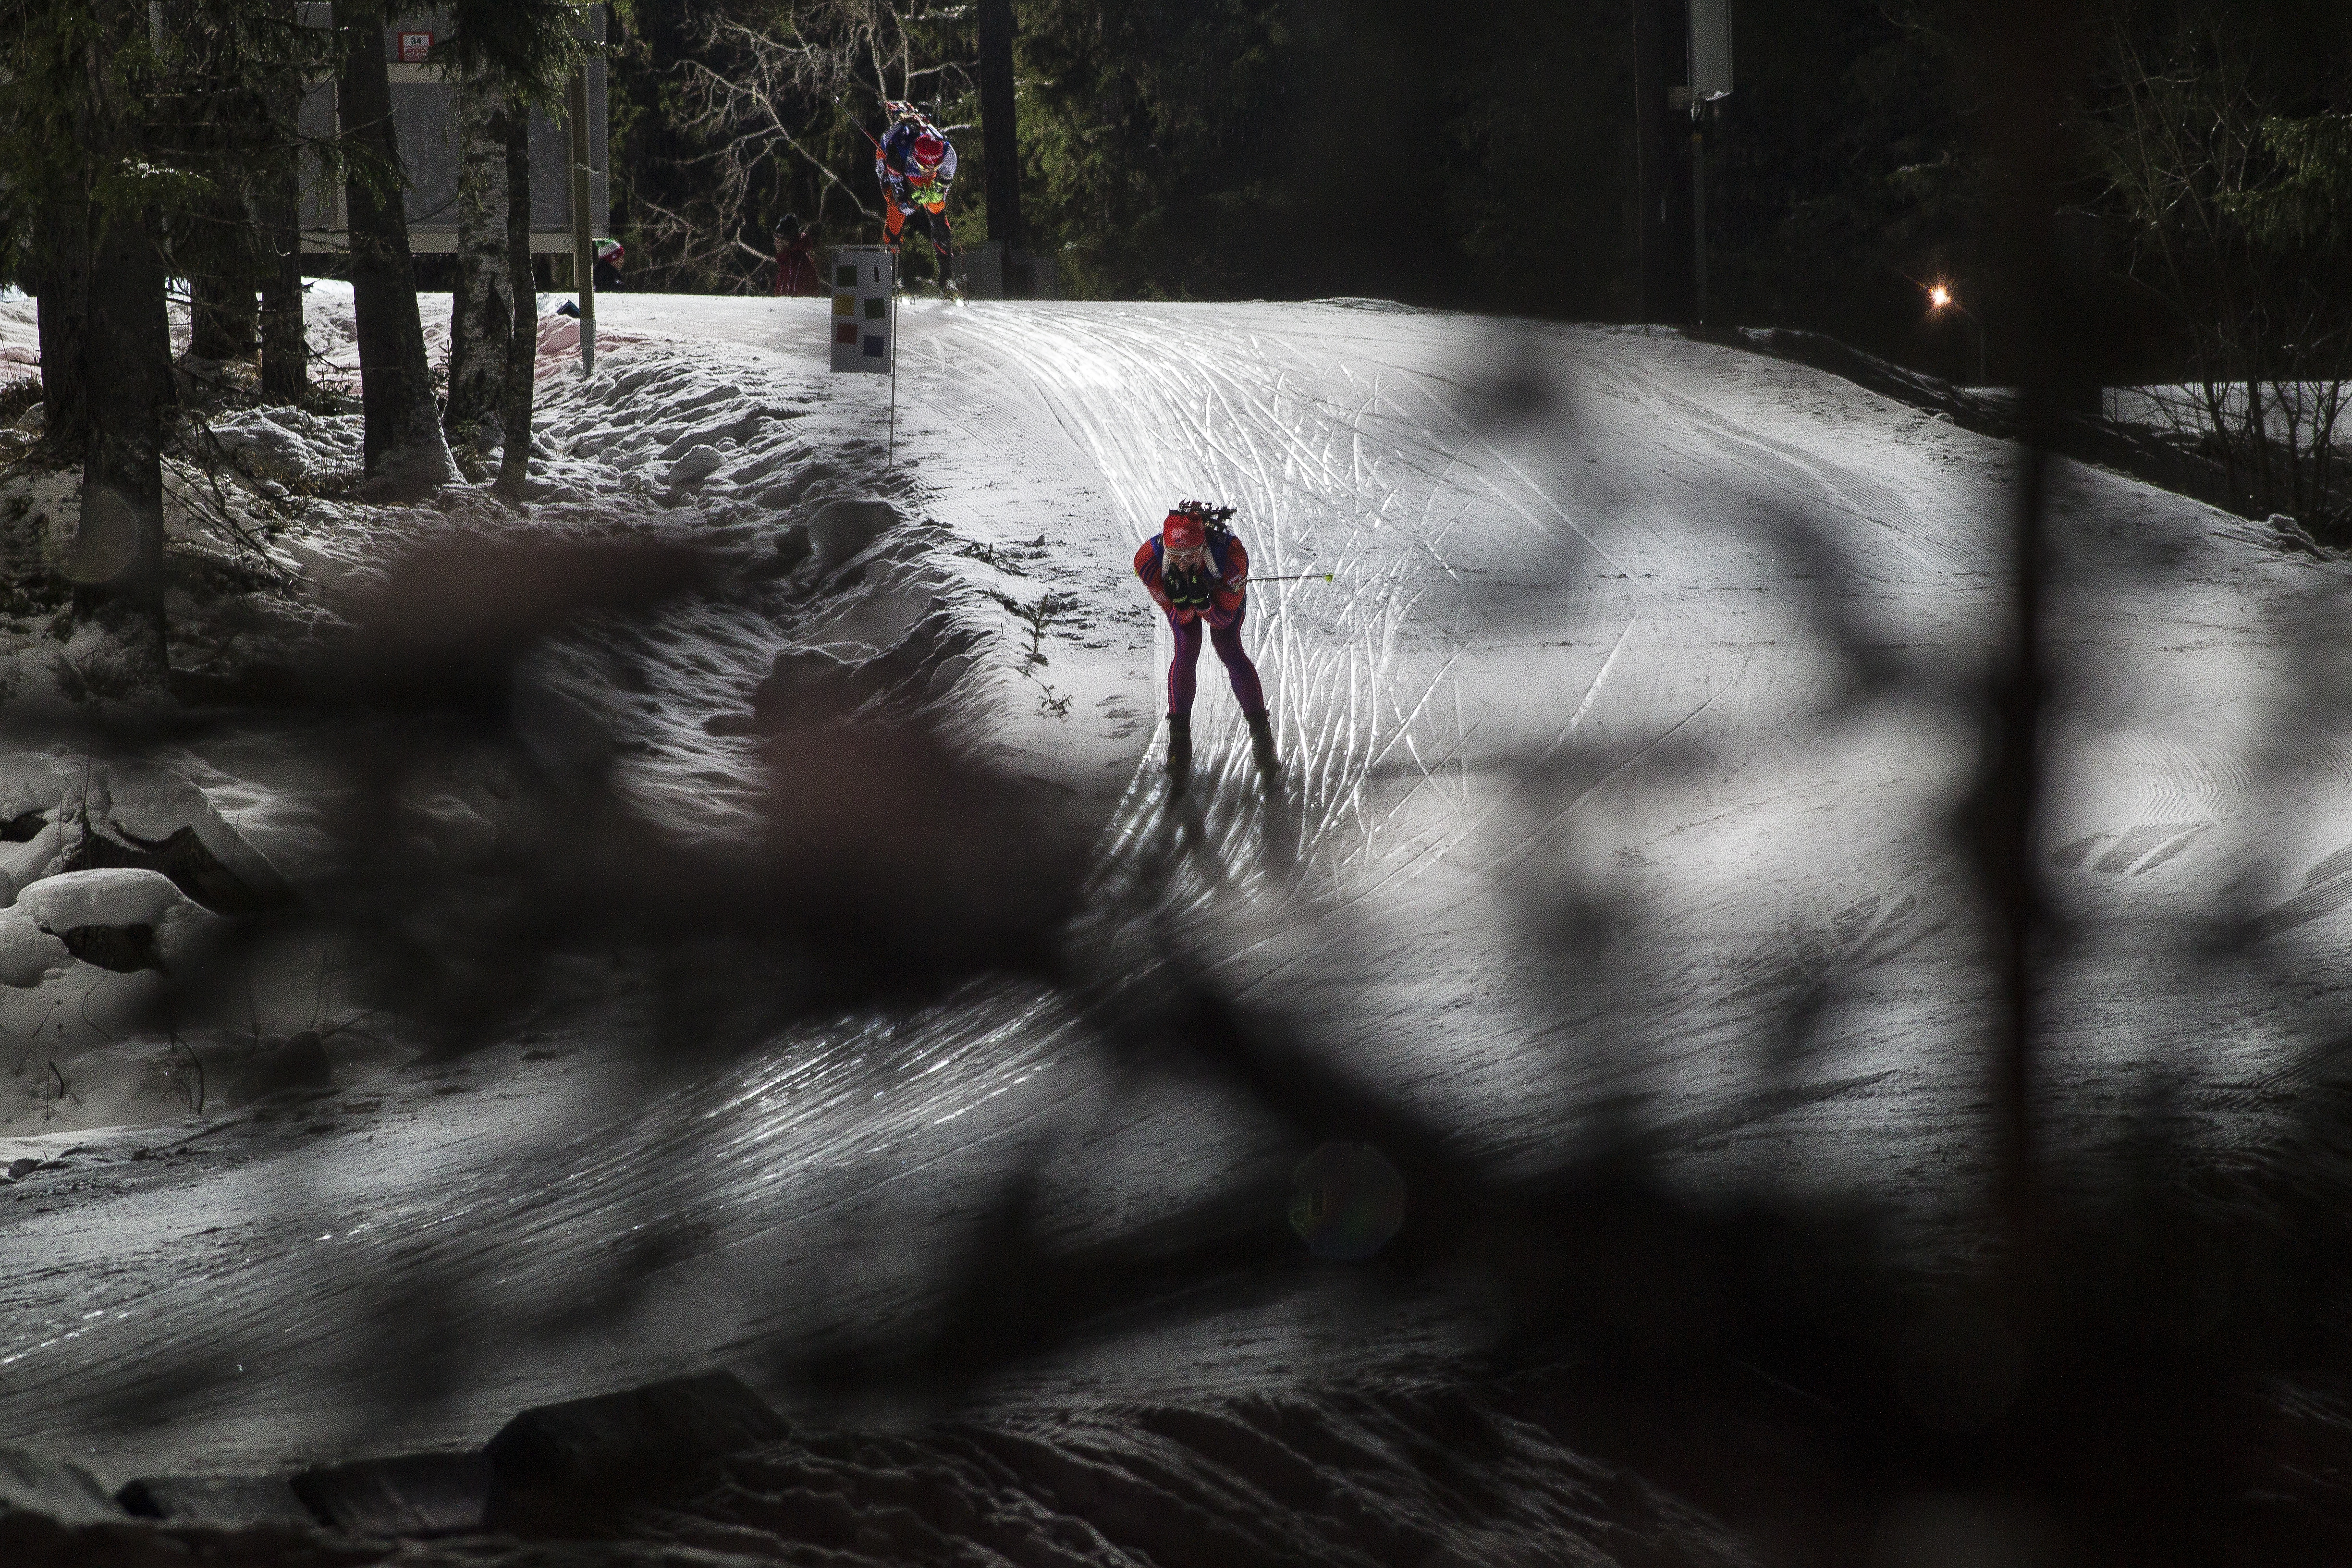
point(30, 782)
point(287, 441)
point(27, 954)
point(62, 812)
point(549, 1464)
point(30, 1483)
point(842, 527)
point(805, 682)
point(122, 918)
point(34, 857)
point(407, 1494)
point(699, 464)
point(124, 897)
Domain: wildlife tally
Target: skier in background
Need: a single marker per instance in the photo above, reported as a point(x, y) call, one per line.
point(609, 254)
point(1198, 573)
point(795, 258)
point(914, 165)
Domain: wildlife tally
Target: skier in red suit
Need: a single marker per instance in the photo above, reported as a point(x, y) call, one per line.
point(1198, 573)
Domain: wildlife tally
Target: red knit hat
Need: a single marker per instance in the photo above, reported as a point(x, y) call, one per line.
point(1183, 531)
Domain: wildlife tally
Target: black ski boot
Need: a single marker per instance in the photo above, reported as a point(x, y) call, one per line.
point(1261, 728)
point(1179, 746)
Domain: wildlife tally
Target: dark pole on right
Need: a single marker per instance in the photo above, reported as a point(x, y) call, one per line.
point(583, 239)
point(1663, 291)
point(1709, 61)
point(1698, 218)
point(1000, 135)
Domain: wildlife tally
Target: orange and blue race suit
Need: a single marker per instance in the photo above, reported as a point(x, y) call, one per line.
point(905, 185)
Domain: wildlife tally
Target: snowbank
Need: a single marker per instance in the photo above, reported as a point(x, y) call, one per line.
point(20, 336)
point(844, 594)
point(76, 900)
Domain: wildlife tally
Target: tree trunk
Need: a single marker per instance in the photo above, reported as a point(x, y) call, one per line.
point(221, 321)
point(1001, 142)
point(63, 284)
point(277, 203)
point(481, 311)
point(522, 339)
point(117, 563)
point(402, 449)
point(219, 262)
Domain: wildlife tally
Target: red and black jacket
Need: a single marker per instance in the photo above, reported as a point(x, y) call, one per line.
point(1216, 592)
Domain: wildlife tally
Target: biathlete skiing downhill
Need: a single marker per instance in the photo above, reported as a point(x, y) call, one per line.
point(1198, 573)
point(915, 164)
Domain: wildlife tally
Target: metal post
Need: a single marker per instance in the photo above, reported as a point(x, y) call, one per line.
point(890, 447)
point(1658, 28)
point(583, 253)
point(1698, 216)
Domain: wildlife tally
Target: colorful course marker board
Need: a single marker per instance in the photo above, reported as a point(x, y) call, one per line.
point(863, 334)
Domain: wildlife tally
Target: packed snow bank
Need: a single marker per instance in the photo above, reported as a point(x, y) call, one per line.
point(66, 809)
point(117, 877)
point(1417, 1477)
point(79, 899)
point(831, 587)
point(1622, 739)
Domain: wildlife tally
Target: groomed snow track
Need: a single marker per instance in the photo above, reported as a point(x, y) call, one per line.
point(1623, 750)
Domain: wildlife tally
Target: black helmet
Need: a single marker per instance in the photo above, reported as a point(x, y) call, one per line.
point(788, 226)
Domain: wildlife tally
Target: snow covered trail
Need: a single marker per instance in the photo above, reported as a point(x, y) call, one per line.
point(1623, 750)
point(1571, 574)
point(1628, 743)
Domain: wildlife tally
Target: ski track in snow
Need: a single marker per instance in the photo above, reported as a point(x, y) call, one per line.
point(1604, 656)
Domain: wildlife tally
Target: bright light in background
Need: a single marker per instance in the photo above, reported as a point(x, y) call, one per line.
point(1938, 297)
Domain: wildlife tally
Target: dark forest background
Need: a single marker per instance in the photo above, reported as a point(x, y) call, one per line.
point(1514, 158)
point(1484, 157)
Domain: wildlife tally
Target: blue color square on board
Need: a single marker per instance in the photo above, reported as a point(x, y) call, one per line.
point(873, 348)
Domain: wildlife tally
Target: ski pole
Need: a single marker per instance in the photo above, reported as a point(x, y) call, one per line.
point(1292, 577)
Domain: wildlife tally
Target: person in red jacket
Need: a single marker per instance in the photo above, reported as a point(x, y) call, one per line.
point(1198, 573)
point(795, 259)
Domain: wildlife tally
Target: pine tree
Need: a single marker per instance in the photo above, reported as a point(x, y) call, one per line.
point(402, 449)
point(124, 125)
point(277, 209)
point(523, 341)
point(509, 54)
point(481, 307)
point(118, 556)
point(77, 187)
